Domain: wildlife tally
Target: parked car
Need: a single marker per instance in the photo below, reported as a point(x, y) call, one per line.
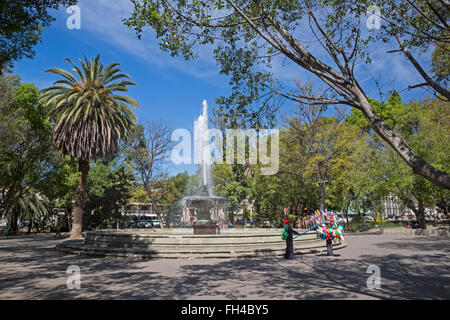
point(415, 225)
point(131, 224)
point(139, 224)
point(156, 223)
point(266, 224)
point(340, 220)
point(144, 224)
point(343, 220)
point(364, 228)
point(241, 222)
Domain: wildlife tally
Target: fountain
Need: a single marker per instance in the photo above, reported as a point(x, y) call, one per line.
point(205, 209)
point(202, 241)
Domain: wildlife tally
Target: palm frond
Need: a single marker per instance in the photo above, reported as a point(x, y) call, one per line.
point(89, 118)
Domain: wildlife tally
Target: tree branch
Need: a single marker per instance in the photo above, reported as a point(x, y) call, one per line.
point(422, 72)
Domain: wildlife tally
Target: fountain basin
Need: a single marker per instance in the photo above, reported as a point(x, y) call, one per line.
point(172, 243)
point(205, 227)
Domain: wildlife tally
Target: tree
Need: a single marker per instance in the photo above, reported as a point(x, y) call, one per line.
point(31, 207)
point(424, 126)
point(147, 148)
point(345, 168)
point(235, 193)
point(62, 191)
point(21, 26)
point(388, 110)
point(27, 158)
point(109, 187)
point(248, 35)
point(139, 195)
point(317, 136)
point(441, 63)
point(89, 118)
point(366, 185)
point(409, 26)
point(171, 200)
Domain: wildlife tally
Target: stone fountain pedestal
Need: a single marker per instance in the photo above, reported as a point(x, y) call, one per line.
point(205, 227)
point(207, 208)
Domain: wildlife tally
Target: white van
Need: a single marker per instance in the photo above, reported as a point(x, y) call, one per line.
point(156, 223)
point(145, 221)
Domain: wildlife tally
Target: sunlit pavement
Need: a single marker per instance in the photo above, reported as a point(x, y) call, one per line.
point(410, 268)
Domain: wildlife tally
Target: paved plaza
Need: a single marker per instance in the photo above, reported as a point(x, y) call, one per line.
point(411, 268)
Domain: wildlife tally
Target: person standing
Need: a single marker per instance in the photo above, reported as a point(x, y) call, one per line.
point(329, 245)
point(329, 238)
point(289, 240)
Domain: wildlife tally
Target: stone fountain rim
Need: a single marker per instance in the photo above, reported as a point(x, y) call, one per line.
point(162, 234)
point(204, 197)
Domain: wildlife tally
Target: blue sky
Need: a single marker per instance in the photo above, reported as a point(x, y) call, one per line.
point(170, 89)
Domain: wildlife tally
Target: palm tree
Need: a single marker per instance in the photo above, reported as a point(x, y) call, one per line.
point(89, 118)
point(28, 207)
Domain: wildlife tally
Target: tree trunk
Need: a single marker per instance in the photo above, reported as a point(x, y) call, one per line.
point(419, 211)
point(420, 215)
point(148, 188)
point(159, 216)
point(13, 223)
point(347, 203)
point(77, 215)
point(66, 219)
point(445, 206)
point(412, 159)
point(321, 194)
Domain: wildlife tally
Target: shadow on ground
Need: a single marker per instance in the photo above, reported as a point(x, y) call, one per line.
point(415, 268)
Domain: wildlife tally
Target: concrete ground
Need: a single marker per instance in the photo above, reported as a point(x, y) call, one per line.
point(410, 268)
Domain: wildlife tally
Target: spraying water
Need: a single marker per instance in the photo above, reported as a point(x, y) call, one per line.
point(203, 150)
point(205, 207)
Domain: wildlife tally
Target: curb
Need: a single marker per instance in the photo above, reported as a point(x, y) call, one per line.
point(431, 232)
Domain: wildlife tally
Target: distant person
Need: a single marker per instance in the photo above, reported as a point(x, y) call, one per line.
point(329, 240)
point(329, 245)
point(289, 240)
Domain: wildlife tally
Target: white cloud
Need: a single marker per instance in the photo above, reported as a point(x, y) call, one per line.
point(103, 19)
